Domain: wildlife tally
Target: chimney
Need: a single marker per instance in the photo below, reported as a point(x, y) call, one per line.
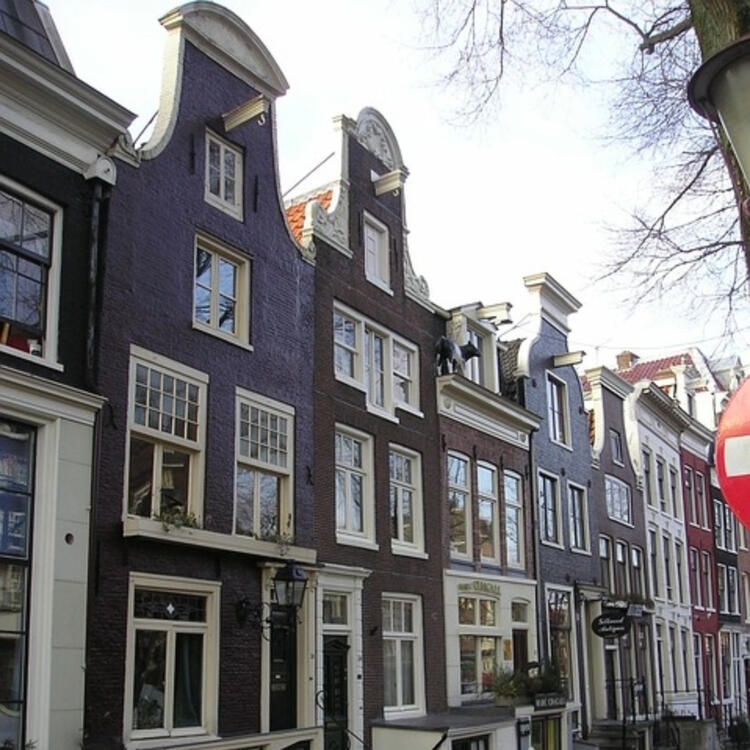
point(626, 360)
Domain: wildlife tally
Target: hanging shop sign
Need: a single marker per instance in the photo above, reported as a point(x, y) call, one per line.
point(612, 623)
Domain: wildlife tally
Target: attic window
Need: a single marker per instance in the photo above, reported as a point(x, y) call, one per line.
point(224, 175)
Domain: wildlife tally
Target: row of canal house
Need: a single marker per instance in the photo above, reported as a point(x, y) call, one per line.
point(211, 400)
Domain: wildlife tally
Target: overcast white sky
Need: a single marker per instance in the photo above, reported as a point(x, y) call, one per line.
point(528, 190)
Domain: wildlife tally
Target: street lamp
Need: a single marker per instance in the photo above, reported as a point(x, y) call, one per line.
point(288, 591)
point(720, 91)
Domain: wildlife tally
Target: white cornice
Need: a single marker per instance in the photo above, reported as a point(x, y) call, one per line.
point(554, 302)
point(604, 377)
point(41, 398)
point(464, 401)
point(52, 111)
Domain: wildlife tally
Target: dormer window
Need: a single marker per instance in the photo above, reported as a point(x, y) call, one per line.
point(224, 175)
point(474, 368)
point(377, 267)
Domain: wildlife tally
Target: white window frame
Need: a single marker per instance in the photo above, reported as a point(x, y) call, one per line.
point(695, 577)
point(364, 331)
point(48, 355)
point(689, 480)
point(467, 491)
point(706, 578)
point(221, 251)
point(399, 546)
point(494, 499)
point(518, 506)
point(234, 207)
point(377, 259)
point(574, 488)
point(415, 636)
point(618, 500)
point(702, 498)
point(721, 583)
point(558, 409)
point(556, 507)
point(161, 440)
point(348, 536)
point(284, 473)
point(479, 631)
point(210, 674)
point(615, 443)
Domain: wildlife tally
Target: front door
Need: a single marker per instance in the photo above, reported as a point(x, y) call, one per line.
point(283, 701)
point(335, 691)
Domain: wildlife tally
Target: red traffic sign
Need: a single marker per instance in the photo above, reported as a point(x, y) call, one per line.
point(733, 453)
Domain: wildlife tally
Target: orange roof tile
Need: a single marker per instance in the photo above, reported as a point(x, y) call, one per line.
point(296, 213)
point(654, 369)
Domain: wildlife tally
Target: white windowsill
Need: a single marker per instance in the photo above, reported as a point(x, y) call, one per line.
point(380, 284)
point(398, 549)
point(5, 349)
point(150, 528)
point(235, 340)
point(356, 541)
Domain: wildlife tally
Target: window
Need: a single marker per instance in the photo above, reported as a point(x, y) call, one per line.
point(679, 572)
point(478, 648)
point(721, 585)
point(667, 545)
point(171, 682)
point(375, 367)
point(647, 490)
point(345, 347)
point(167, 437)
point(355, 512)
point(560, 636)
point(729, 527)
point(578, 514)
point(637, 578)
point(549, 511)
point(690, 492)
point(224, 175)
point(676, 510)
point(458, 505)
point(615, 444)
point(660, 488)
point(16, 501)
point(706, 568)
point(700, 489)
point(654, 558)
point(619, 500)
point(557, 409)
point(745, 605)
point(487, 511)
point(405, 469)
point(718, 524)
point(695, 577)
point(514, 521)
point(402, 654)
point(377, 266)
point(732, 593)
point(30, 250)
point(265, 467)
point(621, 568)
point(605, 562)
point(376, 361)
point(221, 295)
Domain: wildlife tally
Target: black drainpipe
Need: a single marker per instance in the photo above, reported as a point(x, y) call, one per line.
point(93, 282)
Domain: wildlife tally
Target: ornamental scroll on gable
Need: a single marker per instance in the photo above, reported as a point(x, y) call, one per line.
point(374, 133)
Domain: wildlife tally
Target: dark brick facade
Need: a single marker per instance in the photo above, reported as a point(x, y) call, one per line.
point(147, 301)
point(343, 279)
